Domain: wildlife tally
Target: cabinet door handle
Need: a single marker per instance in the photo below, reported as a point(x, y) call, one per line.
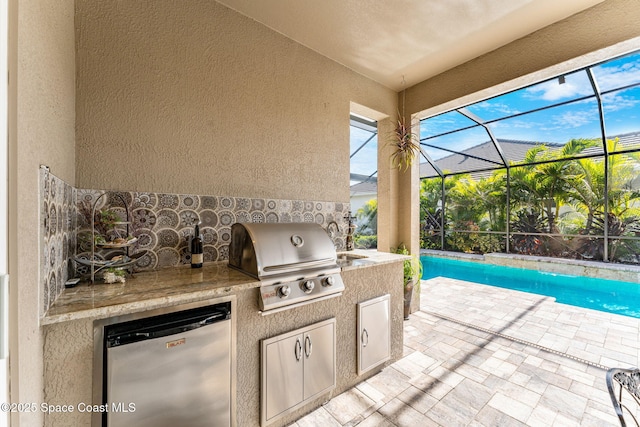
point(308, 347)
point(298, 350)
point(365, 334)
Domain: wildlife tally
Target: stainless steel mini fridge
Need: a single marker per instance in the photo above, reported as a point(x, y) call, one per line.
point(170, 370)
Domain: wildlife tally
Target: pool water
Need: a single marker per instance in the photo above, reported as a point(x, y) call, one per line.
point(598, 294)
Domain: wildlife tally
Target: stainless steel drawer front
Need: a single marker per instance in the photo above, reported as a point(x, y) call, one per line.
point(374, 333)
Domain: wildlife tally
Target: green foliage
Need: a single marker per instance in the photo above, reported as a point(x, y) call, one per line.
point(365, 242)
point(470, 240)
point(412, 267)
point(528, 222)
point(551, 192)
point(367, 217)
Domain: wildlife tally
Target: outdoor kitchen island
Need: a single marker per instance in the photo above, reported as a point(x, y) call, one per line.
point(69, 327)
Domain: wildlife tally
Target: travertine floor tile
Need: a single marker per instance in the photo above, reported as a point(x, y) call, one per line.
point(479, 356)
point(319, 417)
point(401, 414)
point(348, 405)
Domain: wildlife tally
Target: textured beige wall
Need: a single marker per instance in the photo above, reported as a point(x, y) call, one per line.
point(192, 97)
point(41, 131)
point(65, 385)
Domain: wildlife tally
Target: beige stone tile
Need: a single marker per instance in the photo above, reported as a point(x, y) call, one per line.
point(499, 368)
point(348, 405)
point(421, 359)
point(370, 391)
point(432, 386)
point(491, 417)
point(447, 413)
point(417, 399)
point(567, 421)
point(389, 383)
point(446, 376)
point(520, 393)
point(511, 407)
point(319, 417)
point(564, 402)
point(541, 416)
point(471, 372)
point(376, 420)
point(402, 414)
point(576, 375)
point(533, 360)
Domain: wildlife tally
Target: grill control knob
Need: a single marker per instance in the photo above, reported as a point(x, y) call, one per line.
point(307, 286)
point(284, 291)
point(329, 281)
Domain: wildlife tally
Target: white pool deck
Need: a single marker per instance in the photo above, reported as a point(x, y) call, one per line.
point(478, 355)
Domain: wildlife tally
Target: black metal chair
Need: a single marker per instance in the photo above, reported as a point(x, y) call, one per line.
point(628, 381)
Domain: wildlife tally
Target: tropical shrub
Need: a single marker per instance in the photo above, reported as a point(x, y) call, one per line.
point(556, 195)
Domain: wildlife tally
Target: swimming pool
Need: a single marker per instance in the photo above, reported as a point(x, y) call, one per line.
point(598, 294)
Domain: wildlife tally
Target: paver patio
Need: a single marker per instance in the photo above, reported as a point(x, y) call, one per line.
point(478, 355)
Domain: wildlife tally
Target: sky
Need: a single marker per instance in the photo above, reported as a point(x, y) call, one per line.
point(577, 119)
point(559, 124)
point(365, 161)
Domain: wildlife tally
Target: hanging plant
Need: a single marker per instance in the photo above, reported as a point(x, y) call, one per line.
point(406, 145)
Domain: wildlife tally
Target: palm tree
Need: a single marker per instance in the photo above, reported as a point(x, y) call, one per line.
point(587, 189)
point(543, 181)
point(482, 201)
point(367, 217)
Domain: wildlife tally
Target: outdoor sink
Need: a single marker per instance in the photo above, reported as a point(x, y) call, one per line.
point(342, 256)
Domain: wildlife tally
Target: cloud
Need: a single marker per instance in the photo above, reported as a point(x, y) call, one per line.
point(616, 101)
point(618, 75)
point(575, 118)
point(493, 109)
point(552, 90)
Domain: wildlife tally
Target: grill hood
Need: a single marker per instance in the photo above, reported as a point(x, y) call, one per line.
point(273, 251)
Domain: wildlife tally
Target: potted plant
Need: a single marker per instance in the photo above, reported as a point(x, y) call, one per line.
point(412, 269)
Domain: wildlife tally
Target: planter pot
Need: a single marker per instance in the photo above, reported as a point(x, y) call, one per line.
point(408, 295)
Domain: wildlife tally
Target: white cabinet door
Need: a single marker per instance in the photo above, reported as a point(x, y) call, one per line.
point(282, 374)
point(374, 333)
point(319, 360)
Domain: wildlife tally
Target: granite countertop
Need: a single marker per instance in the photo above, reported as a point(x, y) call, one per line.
point(147, 291)
point(360, 258)
point(171, 286)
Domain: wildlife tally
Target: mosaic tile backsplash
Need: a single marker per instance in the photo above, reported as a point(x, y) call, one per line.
point(162, 224)
point(57, 235)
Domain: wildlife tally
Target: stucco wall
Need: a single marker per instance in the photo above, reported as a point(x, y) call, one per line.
point(41, 131)
point(192, 97)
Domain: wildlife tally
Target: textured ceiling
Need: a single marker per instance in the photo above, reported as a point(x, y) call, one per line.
point(388, 40)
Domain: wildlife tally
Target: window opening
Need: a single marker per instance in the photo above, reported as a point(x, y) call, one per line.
point(363, 158)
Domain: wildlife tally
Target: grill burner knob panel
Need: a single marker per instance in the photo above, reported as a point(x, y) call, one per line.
point(307, 286)
point(284, 291)
point(329, 281)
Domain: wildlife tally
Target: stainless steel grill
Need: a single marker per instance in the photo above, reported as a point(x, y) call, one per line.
point(296, 263)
